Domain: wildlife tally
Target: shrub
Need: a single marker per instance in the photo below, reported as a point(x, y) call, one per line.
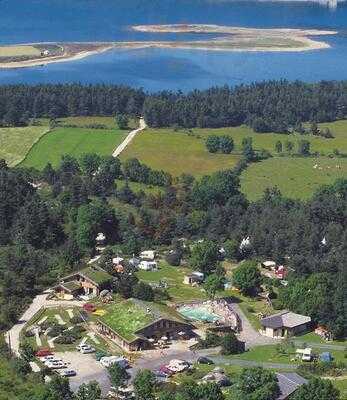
point(76, 319)
point(55, 331)
point(174, 258)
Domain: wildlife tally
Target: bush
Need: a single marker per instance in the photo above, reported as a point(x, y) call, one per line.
point(76, 319)
point(231, 345)
point(174, 258)
point(55, 331)
point(143, 291)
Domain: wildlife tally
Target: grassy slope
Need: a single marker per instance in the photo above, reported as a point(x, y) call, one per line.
point(16, 142)
point(177, 153)
point(73, 141)
point(295, 177)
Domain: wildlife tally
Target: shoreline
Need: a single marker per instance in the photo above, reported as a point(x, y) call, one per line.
point(236, 39)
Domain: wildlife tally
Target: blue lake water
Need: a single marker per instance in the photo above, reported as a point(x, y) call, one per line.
point(25, 21)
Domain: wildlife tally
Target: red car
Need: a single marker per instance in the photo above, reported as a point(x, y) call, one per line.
point(165, 370)
point(89, 307)
point(43, 353)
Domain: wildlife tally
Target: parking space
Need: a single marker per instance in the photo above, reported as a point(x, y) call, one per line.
point(87, 369)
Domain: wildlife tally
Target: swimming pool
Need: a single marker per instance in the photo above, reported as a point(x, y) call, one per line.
point(198, 313)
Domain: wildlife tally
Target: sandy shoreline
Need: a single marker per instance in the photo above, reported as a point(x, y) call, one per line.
point(236, 39)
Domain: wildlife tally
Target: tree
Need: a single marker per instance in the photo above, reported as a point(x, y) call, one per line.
point(122, 121)
point(317, 389)
point(143, 291)
point(247, 149)
point(304, 147)
point(278, 146)
point(231, 248)
point(212, 284)
point(230, 344)
point(257, 384)
point(88, 391)
point(59, 389)
point(26, 351)
point(118, 375)
point(247, 278)
point(314, 129)
point(204, 256)
point(90, 163)
point(289, 146)
point(226, 144)
point(144, 385)
point(212, 143)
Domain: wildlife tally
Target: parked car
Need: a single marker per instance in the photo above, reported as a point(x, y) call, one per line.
point(87, 350)
point(43, 353)
point(163, 369)
point(55, 364)
point(67, 372)
point(47, 358)
point(108, 361)
point(204, 360)
point(82, 346)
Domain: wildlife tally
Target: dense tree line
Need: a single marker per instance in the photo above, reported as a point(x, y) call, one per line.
point(277, 106)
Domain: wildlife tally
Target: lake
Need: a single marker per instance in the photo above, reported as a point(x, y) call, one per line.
point(27, 21)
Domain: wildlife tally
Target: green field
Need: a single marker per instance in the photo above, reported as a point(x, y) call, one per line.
point(87, 121)
point(177, 153)
point(16, 142)
point(19, 50)
point(295, 177)
point(73, 141)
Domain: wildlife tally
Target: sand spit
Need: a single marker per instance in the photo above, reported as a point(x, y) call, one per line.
point(233, 39)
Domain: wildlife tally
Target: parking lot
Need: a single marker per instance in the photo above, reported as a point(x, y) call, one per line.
point(87, 369)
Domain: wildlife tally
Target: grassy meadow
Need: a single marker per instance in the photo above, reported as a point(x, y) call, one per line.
point(16, 142)
point(296, 177)
point(177, 152)
point(73, 141)
point(19, 50)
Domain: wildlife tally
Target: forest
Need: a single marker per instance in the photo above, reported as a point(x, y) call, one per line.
point(276, 106)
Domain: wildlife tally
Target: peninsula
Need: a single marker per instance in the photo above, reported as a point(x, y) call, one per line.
point(227, 39)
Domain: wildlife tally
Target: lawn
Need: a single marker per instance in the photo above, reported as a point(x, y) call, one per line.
point(177, 153)
point(296, 177)
point(73, 141)
point(173, 277)
point(88, 121)
point(15, 143)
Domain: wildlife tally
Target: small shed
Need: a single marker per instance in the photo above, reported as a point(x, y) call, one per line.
point(148, 255)
point(284, 324)
point(148, 265)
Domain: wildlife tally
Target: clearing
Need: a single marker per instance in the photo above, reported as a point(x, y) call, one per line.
point(16, 142)
point(177, 152)
point(296, 177)
point(72, 141)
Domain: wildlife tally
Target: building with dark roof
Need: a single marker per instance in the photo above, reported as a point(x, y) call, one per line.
point(89, 281)
point(284, 324)
point(288, 383)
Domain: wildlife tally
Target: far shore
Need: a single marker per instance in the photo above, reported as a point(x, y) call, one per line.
point(236, 40)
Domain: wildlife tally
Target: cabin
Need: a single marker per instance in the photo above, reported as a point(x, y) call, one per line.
point(148, 265)
point(288, 383)
point(148, 255)
point(135, 325)
point(284, 324)
point(195, 278)
point(89, 281)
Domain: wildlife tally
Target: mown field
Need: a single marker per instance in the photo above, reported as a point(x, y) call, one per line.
point(295, 177)
point(183, 151)
point(16, 142)
point(19, 50)
point(73, 141)
point(177, 152)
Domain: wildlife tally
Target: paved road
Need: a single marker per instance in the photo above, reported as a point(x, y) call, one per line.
point(248, 334)
point(12, 336)
point(129, 138)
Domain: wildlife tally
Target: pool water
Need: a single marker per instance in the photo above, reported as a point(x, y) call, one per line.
point(198, 314)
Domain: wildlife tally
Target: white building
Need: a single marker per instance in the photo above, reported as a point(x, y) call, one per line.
point(148, 265)
point(148, 255)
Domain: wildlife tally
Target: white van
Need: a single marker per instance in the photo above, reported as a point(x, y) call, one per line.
point(108, 361)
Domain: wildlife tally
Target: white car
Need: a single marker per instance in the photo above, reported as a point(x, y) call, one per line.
point(53, 360)
point(82, 346)
point(87, 350)
point(67, 372)
point(47, 358)
point(55, 364)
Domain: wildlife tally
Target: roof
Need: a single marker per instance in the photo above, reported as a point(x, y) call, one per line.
point(285, 319)
point(129, 317)
point(288, 382)
point(94, 274)
point(71, 286)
